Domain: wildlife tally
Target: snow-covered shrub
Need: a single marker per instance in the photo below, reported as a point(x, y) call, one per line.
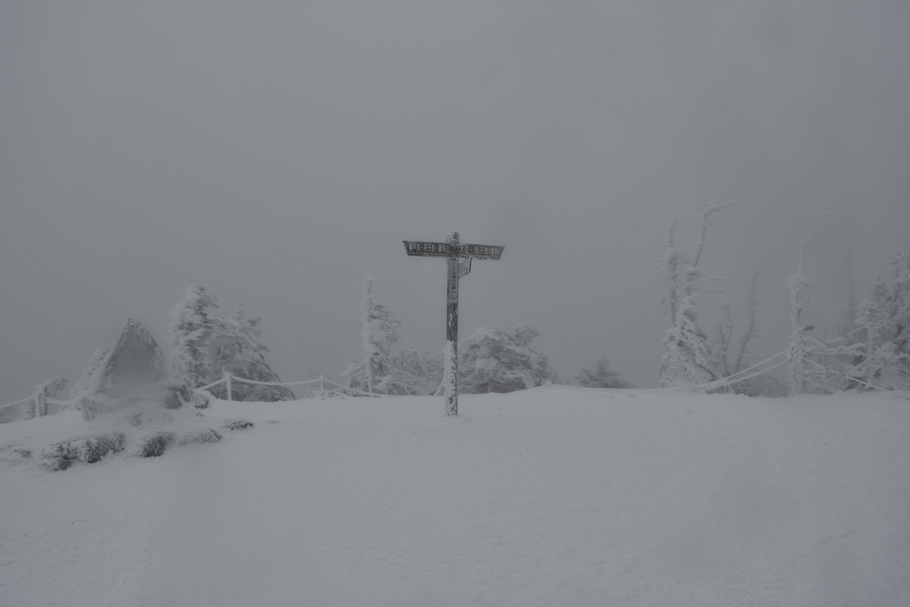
point(237, 424)
point(494, 360)
point(88, 450)
point(765, 385)
point(601, 377)
point(154, 445)
point(206, 436)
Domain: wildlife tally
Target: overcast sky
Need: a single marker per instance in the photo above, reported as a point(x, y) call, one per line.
point(276, 152)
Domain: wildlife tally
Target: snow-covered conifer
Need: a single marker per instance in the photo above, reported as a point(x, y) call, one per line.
point(687, 359)
point(802, 345)
point(879, 335)
point(493, 360)
point(420, 369)
point(190, 332)
point(375, 373)
point(899, 310)
point(234, 347)
point(90, 378)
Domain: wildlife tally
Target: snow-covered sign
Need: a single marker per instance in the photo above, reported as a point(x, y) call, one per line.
point(458, 257)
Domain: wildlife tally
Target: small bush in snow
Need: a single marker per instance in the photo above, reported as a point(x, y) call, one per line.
point(601, 377)
point(155, 445)
point(237, 424)
point(206, 436)
point(88, 450)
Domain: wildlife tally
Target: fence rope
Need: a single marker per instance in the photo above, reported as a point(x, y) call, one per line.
point(321, 380)
point(243, 380)
point(851, 378)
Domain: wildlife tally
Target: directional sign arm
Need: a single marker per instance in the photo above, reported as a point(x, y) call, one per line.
point(480, 251)
point(427, 249)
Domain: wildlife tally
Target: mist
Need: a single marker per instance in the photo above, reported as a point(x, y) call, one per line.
point(278, 152)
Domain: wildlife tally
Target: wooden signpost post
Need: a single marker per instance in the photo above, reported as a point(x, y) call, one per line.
point(458, 264)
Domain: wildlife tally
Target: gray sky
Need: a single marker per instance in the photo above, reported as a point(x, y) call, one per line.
point(278, 152)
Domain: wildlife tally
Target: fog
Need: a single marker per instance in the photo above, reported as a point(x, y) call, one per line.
point(278, 152)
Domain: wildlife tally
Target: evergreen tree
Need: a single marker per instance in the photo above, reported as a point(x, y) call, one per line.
point(191, 332)
point(235, 348)
point(687, 359)
point(879, 334)
point(205, 345)
point(375, 373)
point(420, 369)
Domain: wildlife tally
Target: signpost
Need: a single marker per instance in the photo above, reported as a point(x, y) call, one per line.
point(458, 264)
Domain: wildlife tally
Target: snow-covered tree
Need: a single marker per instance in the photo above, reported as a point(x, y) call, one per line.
point(205, 345)
point(687, 357)
point(601, 377)
point(730, 359)
point(91, 375)
point(493, 360)
point(879, 335)
point(234, 347)
point(802, 345)
point(191, 332)
point(421, 369)
point(374, 373)
point(899, 305)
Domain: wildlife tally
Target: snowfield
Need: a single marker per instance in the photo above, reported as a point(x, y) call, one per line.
point(552, 496)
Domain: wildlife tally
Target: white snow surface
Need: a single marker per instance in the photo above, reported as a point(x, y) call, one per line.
point(551, 496)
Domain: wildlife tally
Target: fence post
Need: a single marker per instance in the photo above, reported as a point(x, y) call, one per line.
point(321, 383)
point(227, 384)
point(40, 401)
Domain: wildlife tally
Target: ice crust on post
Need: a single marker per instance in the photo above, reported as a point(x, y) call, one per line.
point(450, 379)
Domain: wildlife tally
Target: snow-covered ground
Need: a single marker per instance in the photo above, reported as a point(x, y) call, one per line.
point(553, 496)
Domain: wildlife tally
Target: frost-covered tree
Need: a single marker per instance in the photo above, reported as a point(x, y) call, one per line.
point(374, 373)
point(191, 331)
point(493, 360)
point(899, 305)
point(204, 345)
point(879, 335)
point(687, 357)
point(421, 369)
point(601, 377)
point(730, 359)
point(90, 377)
point(803, 373)
point(234, 347)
